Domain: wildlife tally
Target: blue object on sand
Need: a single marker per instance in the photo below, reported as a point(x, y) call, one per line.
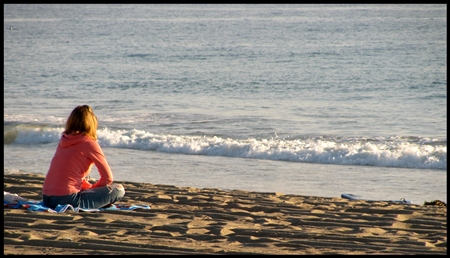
point(359, 197)
point(352, 196)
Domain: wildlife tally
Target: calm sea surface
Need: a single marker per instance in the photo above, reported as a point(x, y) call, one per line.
point(300, 99)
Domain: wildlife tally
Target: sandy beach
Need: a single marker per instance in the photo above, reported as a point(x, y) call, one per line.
point(186, 220)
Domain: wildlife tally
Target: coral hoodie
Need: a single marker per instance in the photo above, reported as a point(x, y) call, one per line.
point(72, 162)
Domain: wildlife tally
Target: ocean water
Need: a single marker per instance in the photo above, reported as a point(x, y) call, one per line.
point(299, 99)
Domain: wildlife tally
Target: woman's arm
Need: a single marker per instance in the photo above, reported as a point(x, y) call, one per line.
point(96, 155)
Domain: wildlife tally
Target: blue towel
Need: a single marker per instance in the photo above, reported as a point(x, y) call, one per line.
point(39, 206)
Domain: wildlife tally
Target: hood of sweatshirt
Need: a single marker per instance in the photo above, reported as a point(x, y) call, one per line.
point(70, 139)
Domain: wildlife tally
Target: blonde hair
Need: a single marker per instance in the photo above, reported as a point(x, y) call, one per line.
point(82, 120)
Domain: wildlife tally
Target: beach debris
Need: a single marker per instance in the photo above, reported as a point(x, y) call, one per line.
point(436, 202)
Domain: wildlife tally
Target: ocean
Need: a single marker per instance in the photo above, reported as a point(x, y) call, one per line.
point(297, 99)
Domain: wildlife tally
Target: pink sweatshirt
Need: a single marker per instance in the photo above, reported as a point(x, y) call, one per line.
point(72, 162)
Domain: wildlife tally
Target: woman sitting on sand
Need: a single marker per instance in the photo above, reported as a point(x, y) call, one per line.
point(78, 150)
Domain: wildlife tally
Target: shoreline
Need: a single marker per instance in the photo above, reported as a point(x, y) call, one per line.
point(188, 220)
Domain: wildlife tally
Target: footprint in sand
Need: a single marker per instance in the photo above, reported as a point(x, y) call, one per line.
point(374, 231)
point(400, 221)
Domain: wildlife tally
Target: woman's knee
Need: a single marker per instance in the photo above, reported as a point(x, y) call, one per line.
point(117, 187)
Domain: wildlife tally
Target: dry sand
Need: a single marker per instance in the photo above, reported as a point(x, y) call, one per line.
point(186, 220)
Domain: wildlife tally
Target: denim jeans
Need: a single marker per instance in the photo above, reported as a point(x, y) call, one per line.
point(93, 198)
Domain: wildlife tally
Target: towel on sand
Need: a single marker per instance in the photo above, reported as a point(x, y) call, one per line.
point(14, 201)
point(359, 197)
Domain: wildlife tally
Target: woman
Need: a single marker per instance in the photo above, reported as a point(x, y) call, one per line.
point(78, 150)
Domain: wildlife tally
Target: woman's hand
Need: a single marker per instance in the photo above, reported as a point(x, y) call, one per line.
point(85, 184)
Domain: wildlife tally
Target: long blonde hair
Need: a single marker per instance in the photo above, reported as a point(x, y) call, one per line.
point(82, 120)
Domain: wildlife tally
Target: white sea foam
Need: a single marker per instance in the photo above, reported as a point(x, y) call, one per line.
point(382, 152)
